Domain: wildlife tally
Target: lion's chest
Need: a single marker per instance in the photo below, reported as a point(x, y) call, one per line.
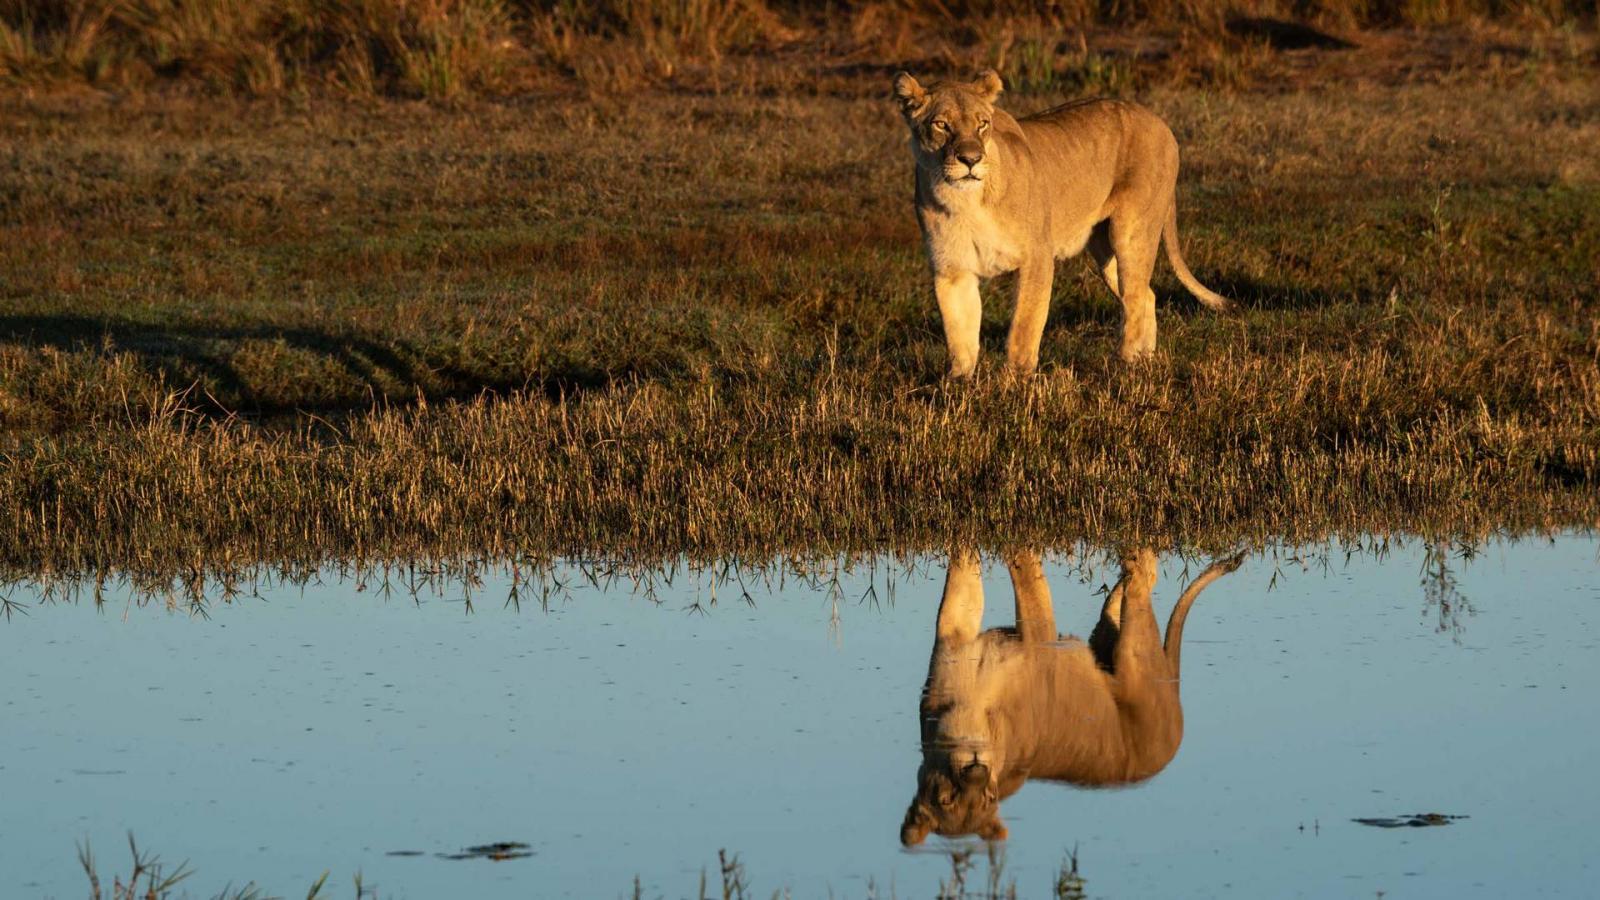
point(964, 236)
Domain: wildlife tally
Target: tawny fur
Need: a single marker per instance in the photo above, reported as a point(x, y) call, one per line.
point(996, 194)
point(1008, 705)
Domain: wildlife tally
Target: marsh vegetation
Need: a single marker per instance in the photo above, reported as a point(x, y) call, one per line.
point(148, 880)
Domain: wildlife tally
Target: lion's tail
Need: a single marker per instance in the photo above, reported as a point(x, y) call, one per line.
point(1205, 295)
point(1173, 642)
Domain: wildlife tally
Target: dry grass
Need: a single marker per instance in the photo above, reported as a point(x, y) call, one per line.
point(149, 879)
point(443, 49)
point(148, 883)
point(434, 48)
point(217, 319)
point(637, 473)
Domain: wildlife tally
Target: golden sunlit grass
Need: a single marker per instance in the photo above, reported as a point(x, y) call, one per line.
point(445, 49)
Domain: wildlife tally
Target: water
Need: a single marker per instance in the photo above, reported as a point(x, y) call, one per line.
point(325, 727)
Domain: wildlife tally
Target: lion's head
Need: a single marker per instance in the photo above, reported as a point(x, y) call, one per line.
point(951, 125)
point(956, 795)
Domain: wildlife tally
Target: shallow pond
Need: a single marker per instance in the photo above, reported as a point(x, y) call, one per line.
point(336, 726)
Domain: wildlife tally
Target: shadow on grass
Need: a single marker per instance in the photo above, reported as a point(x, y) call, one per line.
point(1251, 293)
point(181, 354)
point(1283, 34)
point(1096, 305)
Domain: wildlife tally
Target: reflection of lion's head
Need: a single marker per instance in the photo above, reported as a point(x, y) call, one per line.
point(954, 797)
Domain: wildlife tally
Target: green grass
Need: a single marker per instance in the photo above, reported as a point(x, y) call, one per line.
point(663, 323)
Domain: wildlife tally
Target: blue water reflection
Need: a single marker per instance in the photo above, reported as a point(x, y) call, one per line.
point(322, 727)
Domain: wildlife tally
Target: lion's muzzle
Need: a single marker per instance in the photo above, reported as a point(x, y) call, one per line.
point(975, 773)
point(963, 162)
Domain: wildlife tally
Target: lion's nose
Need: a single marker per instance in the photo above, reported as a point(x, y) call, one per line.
point(975, 773)
point(970, 156)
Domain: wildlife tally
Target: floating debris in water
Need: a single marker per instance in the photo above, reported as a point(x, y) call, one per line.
point(497, 851)
point(1414, 820)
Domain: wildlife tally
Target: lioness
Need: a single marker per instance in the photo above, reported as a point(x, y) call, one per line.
point(1009, 704)
point(997, 194)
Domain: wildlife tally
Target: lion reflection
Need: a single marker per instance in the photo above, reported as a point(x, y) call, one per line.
point(1009, 704)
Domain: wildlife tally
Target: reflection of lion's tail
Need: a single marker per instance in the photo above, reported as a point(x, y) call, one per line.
point(1202, 293)
point(1174, 638)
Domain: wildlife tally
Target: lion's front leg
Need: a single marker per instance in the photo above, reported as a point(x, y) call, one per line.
point(1036, 617)
point(961, 307)
point(961, 608)
point(1033, 307)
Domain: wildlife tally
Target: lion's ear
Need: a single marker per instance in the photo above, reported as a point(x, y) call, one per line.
point(988, 85)
point(909, 93)
point(918, 822)
point(994, 830)
point(913, 833)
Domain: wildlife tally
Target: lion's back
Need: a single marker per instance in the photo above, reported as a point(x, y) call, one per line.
point(1099, 120)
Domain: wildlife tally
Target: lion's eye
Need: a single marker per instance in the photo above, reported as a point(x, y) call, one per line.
point(940, 125)
point(984, 125)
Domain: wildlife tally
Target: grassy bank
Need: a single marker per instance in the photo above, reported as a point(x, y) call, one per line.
point(666, 322)
point(1187, 456)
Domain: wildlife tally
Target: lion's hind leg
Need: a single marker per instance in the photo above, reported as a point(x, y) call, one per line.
point(1134, 241)
point(1137, 654)
point(1105, 260)
point(1142, 681)
point(1103, 639)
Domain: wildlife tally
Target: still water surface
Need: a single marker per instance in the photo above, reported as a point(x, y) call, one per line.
point(324, 728)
